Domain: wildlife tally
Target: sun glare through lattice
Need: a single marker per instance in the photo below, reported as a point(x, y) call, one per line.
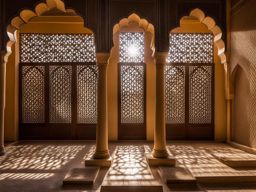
point(131, 47)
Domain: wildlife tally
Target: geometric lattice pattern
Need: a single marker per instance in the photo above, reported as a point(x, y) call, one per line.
point(200, 94)
point(33, 94)
point(175, 94)
point(131, 47)
point(190, 48)
point(87, 78)
point(60, 78)
point(52, 48)
point(132, 93)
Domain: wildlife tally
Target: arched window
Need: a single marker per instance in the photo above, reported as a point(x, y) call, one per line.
point(58, 85)
point(190, 86)
point(132, 83)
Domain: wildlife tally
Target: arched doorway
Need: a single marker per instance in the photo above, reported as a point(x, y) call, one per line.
point(131, 80)
point(194, 110)
point(132, 87)
point(57, 74)
point(189, 86)
point(59, 87)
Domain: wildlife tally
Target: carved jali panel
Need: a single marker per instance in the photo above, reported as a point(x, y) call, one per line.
point(56, 48)
point(189, 86)
point(175, 94)
point(87, 79)
point(59, 85)
point(200, 94)
point(33, 94)
point(60, 94)
point(132, 93)
point(191, 48)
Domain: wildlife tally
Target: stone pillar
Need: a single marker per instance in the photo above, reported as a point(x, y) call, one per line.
point(2, 102)
point(102, 151)
point(159, 150)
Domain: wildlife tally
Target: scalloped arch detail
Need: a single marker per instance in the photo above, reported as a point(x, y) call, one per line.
point(134, 22)
point(134, 19)
point(49, 8)
point(198, 15)
point(41, 9)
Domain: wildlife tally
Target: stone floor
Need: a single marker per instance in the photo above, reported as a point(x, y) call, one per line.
point(41, 165)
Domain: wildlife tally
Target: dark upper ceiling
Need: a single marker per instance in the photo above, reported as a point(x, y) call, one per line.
point(101, 15)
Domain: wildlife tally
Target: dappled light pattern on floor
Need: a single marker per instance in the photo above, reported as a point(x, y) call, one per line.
point(89, 153)
point(25, 176)
point(38, 157)
point(39, 166)
point(225, 151)
point(129, 166)
point(200, 160)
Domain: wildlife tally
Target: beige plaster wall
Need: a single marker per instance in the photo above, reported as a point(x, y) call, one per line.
point(241, 130)
point(243, 53)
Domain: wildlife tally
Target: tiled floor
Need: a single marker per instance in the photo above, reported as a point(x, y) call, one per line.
point(41, 166)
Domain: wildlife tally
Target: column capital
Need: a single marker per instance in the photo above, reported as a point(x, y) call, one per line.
point(102, 58)
point(161, 57)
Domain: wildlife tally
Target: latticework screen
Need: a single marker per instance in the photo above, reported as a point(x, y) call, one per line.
point(48, 78)
point(200, 94)
point(191, 48)
point(60, 94)
point(87, 78)
point(56, 48)
point(132, 93)
point(189, 86)
point(33, 94)
point(131, 47)
point(175, 94)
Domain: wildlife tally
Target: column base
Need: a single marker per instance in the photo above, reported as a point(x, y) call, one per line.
point(160, 153)
point(101, 155)
point(98, 162)
point(81, 176)
point(2, 151)
point(168, 161)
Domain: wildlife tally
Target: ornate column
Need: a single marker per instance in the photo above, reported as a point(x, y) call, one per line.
point(159, 150)
point(101, 155)
point(2, 102)
point(102, 151)
point(160, 155)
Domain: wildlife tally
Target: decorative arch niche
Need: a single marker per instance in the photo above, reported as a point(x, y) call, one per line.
point(52, 22)
point(241, 132)
point(134, 25)
point(198, 23)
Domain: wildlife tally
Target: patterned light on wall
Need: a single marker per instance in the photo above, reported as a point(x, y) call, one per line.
point(131, 47)
point(52, 48)
point(190, 48)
